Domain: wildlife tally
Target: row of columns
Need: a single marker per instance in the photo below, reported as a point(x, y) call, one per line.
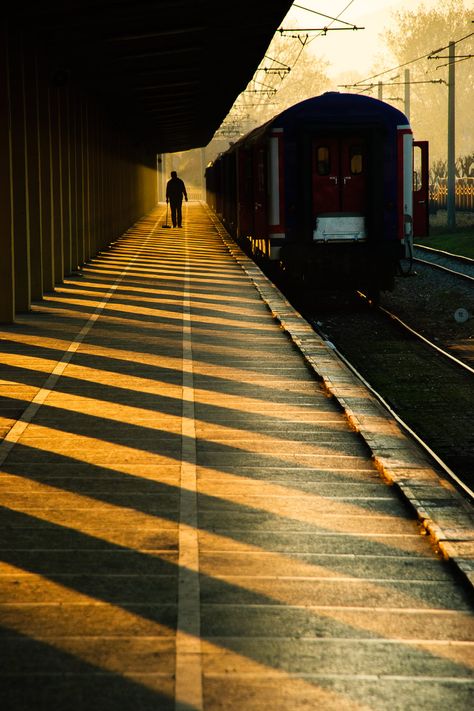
point(71, 180)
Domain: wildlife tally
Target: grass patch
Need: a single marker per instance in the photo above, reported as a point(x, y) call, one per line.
point(461, 241)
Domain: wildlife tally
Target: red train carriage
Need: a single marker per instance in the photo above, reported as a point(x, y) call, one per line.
point(325, 190)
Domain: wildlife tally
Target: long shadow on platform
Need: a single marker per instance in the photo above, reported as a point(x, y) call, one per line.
point(142, 374)
point(137, 588)
point(134, 585)
point(62, 680)
point(150, 500)
point(149, 321)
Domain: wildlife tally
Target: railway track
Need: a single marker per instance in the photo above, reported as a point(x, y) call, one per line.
point(419, 336)
point(461, 483)
point(425, 381)
point(456, 265)
point(429, 392)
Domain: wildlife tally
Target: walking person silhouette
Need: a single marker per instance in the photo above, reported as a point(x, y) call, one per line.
point(175, 190)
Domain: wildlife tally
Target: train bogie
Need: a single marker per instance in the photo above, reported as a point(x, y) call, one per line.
point(324, 190)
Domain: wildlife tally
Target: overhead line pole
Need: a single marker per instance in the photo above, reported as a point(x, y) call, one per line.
point(407, 93)
point(451, 197)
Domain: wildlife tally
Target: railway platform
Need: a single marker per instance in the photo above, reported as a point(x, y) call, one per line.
point(203, 509)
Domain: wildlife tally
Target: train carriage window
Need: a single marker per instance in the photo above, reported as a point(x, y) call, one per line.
point(417, 161)
point(357, 163)
point(260, 171)
point(323, 163)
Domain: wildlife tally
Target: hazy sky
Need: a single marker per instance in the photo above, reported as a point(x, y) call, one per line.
point(348, 49)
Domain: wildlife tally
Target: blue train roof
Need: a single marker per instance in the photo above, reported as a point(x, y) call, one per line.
point(332, 108)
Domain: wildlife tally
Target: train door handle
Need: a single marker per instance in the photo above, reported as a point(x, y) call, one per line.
point(346, 178)
point(333, 177)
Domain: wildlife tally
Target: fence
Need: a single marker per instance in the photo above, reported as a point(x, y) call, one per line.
point(196, 194)
point(464, 194)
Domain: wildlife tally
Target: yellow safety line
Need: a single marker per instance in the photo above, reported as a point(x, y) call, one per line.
point(14, 434)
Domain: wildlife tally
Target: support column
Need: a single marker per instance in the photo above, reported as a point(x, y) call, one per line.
point(92, 157)
point(73, 179)
point(63, 96)
point(44, 142)
point(86, 152)
point(407, 93)
point(7, 279)
point(104, 223)
point(32, 169)
point(19, 176)
point(56, 185)
point(451, 201)
point(203, 174)
point(80, 180)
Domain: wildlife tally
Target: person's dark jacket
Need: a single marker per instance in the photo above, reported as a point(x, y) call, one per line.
point(175, 189)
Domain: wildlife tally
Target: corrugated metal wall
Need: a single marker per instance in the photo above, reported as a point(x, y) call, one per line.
point(71, 180)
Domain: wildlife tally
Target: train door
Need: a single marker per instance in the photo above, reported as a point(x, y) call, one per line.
point(353, 156)
point(244, 193)
point(420, 189)
point(325, 169)
point(339, 175)
point(260, 196)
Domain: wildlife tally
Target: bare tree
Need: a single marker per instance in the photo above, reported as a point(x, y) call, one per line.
point(416, 35)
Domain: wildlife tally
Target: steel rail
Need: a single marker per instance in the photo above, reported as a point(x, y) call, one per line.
point(405, 326)
point(435, 265)
point(449, 472)
point(411, 330)
point(443, 253)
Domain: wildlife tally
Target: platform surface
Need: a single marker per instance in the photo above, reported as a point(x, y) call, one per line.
point(190, 519)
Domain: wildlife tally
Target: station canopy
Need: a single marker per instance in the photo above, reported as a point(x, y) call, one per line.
point(169, 70)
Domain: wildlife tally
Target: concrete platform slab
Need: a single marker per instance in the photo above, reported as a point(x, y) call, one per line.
point(202, 510)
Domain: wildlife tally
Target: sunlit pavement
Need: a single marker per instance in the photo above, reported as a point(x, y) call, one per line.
point(189, 521)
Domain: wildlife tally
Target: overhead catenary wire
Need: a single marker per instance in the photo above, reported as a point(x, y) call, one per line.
point(461, 39)
point(335, 19)
point(308, 41)
point(322, 30)
point(304, 42)
point(457, 60)
point(411, 61)
point(452, 60)
point(396, 83)
point(328, 17)
point(280, 70)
